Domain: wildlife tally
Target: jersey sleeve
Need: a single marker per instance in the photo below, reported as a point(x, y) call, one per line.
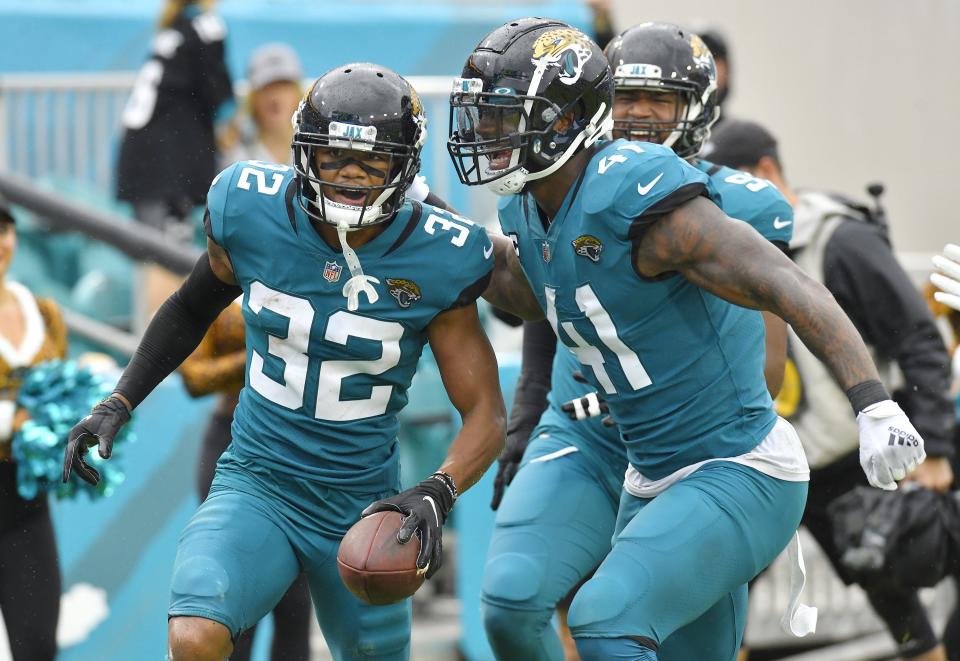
point(637, 180)
point(465, 264)
point(771, 215)
point(214, 219)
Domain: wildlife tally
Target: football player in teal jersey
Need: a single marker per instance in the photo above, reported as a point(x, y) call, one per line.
point(642, 276)
point(665, 92)
point(343, 283)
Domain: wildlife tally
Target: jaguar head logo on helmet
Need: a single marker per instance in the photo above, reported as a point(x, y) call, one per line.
point(666, 87)
point(532, 94)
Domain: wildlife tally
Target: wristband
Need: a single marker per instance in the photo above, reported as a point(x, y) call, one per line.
point(866, 394)
point(448, 482)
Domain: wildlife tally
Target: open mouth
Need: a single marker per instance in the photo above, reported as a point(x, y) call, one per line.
point(500, 160)
point(354, 198)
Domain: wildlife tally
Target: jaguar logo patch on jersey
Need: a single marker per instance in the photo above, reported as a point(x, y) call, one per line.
point(565, 48)
point(332, 271)
point(588, 246)
point(406, 292)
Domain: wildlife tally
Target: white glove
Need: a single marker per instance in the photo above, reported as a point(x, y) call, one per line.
point(948, 281)
point(889, 445)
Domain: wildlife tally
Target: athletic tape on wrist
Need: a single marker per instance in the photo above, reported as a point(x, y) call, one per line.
point(864, 394)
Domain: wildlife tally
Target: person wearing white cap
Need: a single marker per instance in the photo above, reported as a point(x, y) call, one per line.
point(274, 73)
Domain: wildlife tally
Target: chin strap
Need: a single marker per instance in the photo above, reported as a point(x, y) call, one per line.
point(358, 283)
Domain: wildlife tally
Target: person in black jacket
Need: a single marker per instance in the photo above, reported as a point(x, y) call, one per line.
point(168, 152)
point(843, 246)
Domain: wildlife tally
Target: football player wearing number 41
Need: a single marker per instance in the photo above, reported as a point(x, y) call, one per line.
point(660, 324)
point(343, 282)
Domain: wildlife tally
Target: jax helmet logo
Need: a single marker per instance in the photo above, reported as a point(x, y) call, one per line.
point(566, 48)
point(406, 292)
point(588, 246)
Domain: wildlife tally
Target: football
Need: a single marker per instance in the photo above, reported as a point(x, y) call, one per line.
point(374, 566)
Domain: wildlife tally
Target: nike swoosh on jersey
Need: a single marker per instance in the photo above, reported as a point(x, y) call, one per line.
point(643, 190)
point(487, 251)
point(780, 224)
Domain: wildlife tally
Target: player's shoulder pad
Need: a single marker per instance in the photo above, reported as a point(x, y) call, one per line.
point(245, 188)
point(458, 247)
point(627, 178)
point(755, 201)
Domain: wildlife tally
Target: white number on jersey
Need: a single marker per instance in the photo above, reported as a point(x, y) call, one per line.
point(603, 325)
point(292, 350)
point(143, 97)
point(752, 183)
point(454, 223)
point(256, 169)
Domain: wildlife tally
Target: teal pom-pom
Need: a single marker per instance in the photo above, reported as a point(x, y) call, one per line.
point(57, 394)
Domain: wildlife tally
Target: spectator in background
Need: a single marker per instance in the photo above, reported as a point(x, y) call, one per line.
point(603, 32)
point(31, 332)
point(842, 247)
point(168, 152)
point(717, 44)
point(218, 366)
point(274, 74)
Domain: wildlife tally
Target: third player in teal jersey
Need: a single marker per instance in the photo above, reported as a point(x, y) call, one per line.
point(670, 99)
point(648, 283)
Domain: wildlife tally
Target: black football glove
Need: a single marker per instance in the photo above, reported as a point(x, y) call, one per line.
point(589, 406)
point(519, 430)
point(98, 428)
point(424, 508)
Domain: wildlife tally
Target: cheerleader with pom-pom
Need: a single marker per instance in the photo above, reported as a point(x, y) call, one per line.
point(31, 333)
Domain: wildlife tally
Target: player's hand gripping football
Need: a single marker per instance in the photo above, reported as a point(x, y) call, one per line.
point(589, 406)
point(424, 507)
point(98, 428)
point(889, 445)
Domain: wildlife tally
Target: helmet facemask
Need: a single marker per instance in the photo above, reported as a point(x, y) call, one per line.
point(360, 205)
point(685, 132)
point(503, 139)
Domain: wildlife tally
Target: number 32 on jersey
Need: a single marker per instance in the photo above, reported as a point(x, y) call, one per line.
point(293, 351)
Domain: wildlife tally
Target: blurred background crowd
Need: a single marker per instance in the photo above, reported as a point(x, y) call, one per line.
point(114, 118)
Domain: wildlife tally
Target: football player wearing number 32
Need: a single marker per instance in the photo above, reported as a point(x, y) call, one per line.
point(660, 325)
point(343, 282)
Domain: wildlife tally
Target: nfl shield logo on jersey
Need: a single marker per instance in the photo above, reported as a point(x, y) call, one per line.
point(545, 251)
point(332, 271)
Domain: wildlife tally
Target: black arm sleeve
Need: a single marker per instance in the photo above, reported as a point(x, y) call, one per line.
point(176, 330)
point(536, 368)
point(862, 273)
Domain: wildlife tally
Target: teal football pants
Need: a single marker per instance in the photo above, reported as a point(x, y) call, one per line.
point(679, 566)
point(248, 541)
point(552, 529)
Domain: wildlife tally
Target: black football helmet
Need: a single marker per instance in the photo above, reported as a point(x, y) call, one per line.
point(358, 107)
point(515, 87)
point(667, 57)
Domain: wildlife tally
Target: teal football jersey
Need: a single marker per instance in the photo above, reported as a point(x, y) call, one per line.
point(681, 369)
point(740, 195)
point(324, 384)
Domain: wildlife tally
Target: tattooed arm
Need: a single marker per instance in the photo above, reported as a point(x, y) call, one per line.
point(509, 289)
point(731, 260)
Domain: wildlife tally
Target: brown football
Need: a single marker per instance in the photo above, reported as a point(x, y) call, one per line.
point(374, 566)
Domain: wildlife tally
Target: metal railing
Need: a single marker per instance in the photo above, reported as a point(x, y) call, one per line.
point(68, 125)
